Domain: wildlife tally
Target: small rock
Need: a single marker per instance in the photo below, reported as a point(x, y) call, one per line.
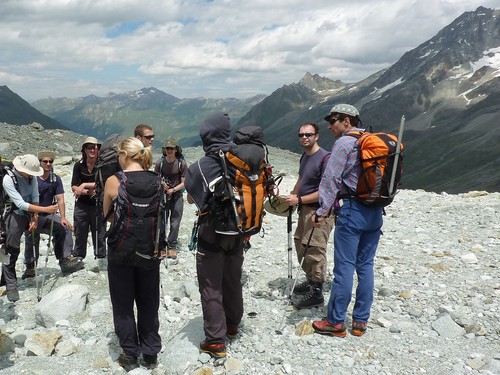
point(304, 328)
point(445, 326)
point(469, 258)
point(384, 322)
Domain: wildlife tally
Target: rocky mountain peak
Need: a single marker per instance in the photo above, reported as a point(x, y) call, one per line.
point(320, 84)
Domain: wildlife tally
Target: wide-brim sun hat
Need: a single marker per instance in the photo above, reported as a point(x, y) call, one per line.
point(46, 154)
point(171, 142)
point(345, 109)
point(91, 141)
point(277, 205)
point(28, 164)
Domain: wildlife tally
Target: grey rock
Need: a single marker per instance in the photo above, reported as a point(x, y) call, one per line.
point(445, 326)
point(69, 299)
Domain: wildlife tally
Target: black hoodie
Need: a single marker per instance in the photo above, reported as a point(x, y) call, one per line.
point(215, 133)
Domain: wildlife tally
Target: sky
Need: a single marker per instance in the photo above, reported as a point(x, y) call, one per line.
point(207, 48)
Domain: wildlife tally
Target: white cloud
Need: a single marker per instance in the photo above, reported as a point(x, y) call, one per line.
point(216, 48)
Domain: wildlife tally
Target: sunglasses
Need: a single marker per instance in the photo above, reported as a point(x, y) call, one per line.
point(47, 161)
point(333, 120)
point(149, 137)
point(92, 147)
point(306, 135)
point(169, 148)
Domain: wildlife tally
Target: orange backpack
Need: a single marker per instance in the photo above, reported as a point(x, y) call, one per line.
point(378, 155)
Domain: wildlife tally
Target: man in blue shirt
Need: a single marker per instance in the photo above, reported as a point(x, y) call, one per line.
point(51, 191)
point(357, 228)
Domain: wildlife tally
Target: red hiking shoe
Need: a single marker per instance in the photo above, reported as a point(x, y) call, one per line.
point(358, 328)
point(215, 349)
point(324, 327)
point(232, 331)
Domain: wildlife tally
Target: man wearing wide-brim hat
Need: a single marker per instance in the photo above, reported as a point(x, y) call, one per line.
point(51, 190)
point(21, 212)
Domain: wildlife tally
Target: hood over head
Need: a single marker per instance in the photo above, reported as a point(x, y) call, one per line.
point(215, 133)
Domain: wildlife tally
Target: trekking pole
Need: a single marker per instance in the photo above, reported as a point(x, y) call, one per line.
point(279, 330)
point(96, 239)
point(289, 232)
point(49, 241)
point(35, 261)
point(396, 158)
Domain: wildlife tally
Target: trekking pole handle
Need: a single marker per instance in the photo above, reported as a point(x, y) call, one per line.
point(396, 158)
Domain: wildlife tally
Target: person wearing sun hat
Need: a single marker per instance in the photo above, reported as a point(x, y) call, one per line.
point(172, 167)
point(20, 212)
point(51, 190)
point(86, 216)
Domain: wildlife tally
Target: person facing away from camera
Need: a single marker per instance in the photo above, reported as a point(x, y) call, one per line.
point(357, 228)
point(312, 241)
point(87, 215)
point(21, 210)
point(51, 191)
point(172, 168)
point(131, 204)
point(219, 257)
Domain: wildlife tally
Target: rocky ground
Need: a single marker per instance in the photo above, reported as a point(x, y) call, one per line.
point(436, 302)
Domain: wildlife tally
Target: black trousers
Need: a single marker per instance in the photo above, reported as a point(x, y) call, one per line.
point(219, 262)
point(129, 284)
point(85, 219)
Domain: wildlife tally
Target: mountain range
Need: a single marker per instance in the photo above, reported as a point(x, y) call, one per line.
point(447, 88)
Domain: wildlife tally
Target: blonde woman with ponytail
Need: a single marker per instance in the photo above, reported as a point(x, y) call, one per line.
point(131, 202)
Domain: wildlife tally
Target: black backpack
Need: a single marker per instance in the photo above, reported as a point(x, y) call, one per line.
point(136, 214)
point(107, 162)
point(6, 169)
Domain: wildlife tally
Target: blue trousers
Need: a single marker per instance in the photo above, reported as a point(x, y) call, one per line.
point(356, 236)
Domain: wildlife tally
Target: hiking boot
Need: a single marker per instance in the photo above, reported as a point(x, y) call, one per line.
point(324, 327)
point(215, 349)
point(13, 295)
point(358, 328)
point(232, 331)
point(70, 264)
point(151, 361)
point(128, 362)
point(302, 288)
point(29, 272)
point(171, 254)
point(314, 298)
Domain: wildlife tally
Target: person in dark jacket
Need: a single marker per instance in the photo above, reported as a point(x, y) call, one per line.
point(132, 195)
point(219, 257)
point(172, 169)
point(87, 215)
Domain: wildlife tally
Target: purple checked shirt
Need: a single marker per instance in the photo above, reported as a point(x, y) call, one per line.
point(342, 172)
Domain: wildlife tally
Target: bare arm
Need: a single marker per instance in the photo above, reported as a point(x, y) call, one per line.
point(110, 193)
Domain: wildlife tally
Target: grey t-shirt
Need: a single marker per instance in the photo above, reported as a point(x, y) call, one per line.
point(311, 170)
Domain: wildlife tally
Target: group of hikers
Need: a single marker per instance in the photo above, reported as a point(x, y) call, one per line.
point(136, 247)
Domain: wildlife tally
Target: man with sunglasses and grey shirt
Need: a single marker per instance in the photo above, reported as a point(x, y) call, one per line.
point(309, 242)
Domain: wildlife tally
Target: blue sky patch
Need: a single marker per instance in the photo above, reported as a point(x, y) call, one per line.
point(123, 29)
